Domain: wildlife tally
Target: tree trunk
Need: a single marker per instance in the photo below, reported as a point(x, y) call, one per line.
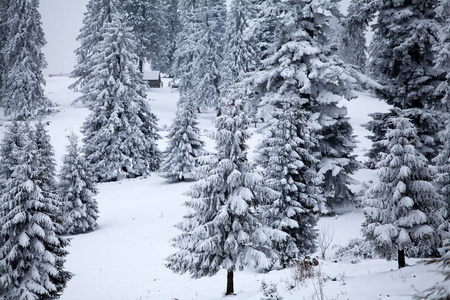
point(141, 66)
point(401, 259)
point(230, 283)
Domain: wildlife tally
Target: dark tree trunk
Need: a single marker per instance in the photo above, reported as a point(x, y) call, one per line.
point(401, 259)
point(230, 283)
point(141, 66)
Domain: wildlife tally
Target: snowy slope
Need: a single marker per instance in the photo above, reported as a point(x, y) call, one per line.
point(124, 258)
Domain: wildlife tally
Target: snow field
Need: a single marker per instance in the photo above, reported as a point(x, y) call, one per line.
point(124, 258)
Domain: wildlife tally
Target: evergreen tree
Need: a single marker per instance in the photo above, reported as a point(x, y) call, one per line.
point(442, 162)
point(291, 183)
point(299, 66)
point(95, 17)
point(32, 254)
point(22, 94)
point(404, 211)
point(353, 44)
point(3, 34)
point(46, 155)
point(173, 28)
point(403, 61)
point(222, 230)
point(443, 48)
point(147, 18)
point(121, 131)
point(77, 191)
point(186, 41)
point(185, 143)
point(240, 55)
point(209, 53)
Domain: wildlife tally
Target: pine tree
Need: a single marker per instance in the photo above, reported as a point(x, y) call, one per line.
point(121, 131)
point(442, 162)
point(403, 61)
point(95, 17)
point(22, 94)
point(32, 254)
point(353, 45)
point(404, 211)
point(222, 229)
point(186, 42)
point(209, 53)
point(443, 48)
point(240, 56)
point(77, 191)
point(147, 18)
point(173, 28)
point(291, 183)
point(299, 65)
point(185, 144)
point(3, 34)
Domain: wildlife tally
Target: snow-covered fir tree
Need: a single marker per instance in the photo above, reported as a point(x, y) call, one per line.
point(240, 56)
point(147, 18)
point(209, 54)
point(353, 48)
point(402, 59)
point(90, 35)
point(173, 28)
point(222, 229)
point(3, 35)
point(443, 48)
point(46, 156)
point(121, 131)
point(299, 66)
point(403, 211)
point(291, 183)
point(442, 161)
point(32, 253)
point(77, 190)
point(22, 94)
point(185, 143)
point(186, 43)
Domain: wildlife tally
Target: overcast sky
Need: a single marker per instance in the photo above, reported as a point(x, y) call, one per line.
point(62, 20)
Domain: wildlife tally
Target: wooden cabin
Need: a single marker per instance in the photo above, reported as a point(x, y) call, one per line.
point(152, 79)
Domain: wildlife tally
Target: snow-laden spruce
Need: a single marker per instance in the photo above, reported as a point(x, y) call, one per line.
point(442, 162)
point(402, 59)
point(222, 229)
point(290, 187)
point(443, 48)
point(77, 190)
point(403, 211)
point(32, 253)
point(185, 143)
point(147, 18)
point(353, 44)
point(186, 42)
point(22, 94)
point(299, 65)
point(172, 16)
point(209, 53)
point(121, 131)
point(90, 35)
point(239, 56)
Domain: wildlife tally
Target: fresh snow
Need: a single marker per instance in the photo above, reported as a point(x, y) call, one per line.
point(125, 257)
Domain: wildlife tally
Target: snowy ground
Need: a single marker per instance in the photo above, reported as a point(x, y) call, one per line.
point(124, 258)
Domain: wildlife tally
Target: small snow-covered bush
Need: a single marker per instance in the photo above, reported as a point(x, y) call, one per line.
point(270, 291)
point(356, 248)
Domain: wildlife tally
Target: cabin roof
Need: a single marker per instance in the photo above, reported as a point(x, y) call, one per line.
point(151, 75)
